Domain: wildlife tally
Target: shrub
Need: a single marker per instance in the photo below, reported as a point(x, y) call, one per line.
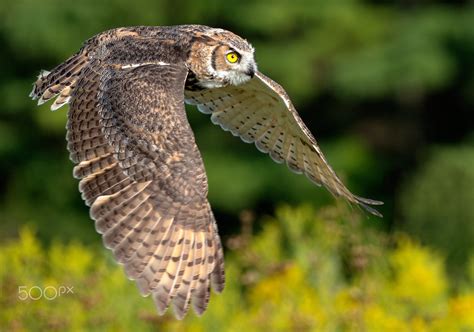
point(301, 272)
point(437, 204)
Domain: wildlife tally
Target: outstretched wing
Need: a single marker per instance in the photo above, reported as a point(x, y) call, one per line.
point(261, 112)
point(143, 177)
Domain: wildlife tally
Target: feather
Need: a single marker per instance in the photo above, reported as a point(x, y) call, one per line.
point(261, 112)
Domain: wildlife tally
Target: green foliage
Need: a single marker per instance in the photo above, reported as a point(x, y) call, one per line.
point(97, 285)
point(438, 201)
point(301, 272)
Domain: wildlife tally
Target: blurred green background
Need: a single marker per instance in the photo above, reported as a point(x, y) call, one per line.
point(387, 87)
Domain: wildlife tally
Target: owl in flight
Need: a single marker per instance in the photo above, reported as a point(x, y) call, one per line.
point(139, 167)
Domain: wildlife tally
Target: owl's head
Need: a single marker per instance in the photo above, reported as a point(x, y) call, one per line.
point(230, 60)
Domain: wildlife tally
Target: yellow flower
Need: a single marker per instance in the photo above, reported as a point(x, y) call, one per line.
point(376, 319)
point(419, 276)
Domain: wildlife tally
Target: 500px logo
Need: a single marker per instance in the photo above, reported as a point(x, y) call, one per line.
point(49, 292)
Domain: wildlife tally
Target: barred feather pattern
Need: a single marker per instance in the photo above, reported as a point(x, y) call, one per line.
point(139, 168)
point(60, 82)
point(170, 246)
point(261, 112)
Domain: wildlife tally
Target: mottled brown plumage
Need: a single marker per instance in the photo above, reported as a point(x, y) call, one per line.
point(139, 167)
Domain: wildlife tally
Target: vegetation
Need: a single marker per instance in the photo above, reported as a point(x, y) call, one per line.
point(303, 271)
point(434, 215)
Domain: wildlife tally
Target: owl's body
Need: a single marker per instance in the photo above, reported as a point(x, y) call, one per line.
point(139, 168)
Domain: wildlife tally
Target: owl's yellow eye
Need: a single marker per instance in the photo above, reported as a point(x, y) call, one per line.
point(232, 57)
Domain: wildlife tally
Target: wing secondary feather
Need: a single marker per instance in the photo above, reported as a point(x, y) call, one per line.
point(261, 112)
point(141, 174)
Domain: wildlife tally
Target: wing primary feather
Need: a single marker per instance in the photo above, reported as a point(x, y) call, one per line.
point(119, 215)
point(142, 255)
point(218, 274)
point(179, 302)
point(168, 258)
point(106, 204)
point(143, 225)
point(200, 297)
point(181, 264)
point(147, 252)
point(193, 277)
point(262, 112)
point(163, 281)
point(162, 252)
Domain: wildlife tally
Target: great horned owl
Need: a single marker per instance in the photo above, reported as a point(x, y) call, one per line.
point(139, 167)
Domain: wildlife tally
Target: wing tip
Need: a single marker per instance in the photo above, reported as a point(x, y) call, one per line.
point(218, 288)
point(162, 302)
point(366, 202)
point(179, 310)
point(33, 94)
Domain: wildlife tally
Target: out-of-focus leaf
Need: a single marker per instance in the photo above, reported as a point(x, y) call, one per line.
point(437, 203)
